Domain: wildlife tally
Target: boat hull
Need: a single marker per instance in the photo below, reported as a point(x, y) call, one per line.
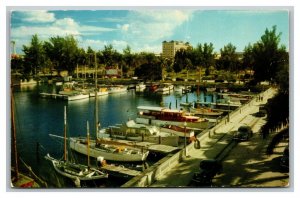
point(95, 152)
point(153, 121)
point(76, 171)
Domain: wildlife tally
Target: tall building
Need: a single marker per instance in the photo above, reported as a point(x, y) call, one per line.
point(169, 49)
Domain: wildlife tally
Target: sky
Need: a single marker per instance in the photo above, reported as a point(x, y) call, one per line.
point(146, 29)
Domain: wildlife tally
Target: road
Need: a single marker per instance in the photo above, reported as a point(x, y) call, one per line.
point(246, 164)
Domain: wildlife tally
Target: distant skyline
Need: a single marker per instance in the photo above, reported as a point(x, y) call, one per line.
point(146, 29)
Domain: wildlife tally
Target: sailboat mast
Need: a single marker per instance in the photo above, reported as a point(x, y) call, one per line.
point(65, 133)
point(88, 142)
point(96, 97)
point(14, 136)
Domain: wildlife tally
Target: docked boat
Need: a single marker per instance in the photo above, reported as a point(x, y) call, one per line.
point(179, 88)
point(160, 116)
point(140, 132)
point(71, 170)
point(76, 171)
point(70, 94)
point(211, 89)
point(102, 91)
point(165, 88)
point(20, 178)
point(178, 130)
point(117, 89)
point(108, 149)
point(237, 97)
point(205, 111)
point(140, 87)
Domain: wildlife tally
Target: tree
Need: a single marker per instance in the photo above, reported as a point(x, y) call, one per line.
point(268, 55)
point(110, 56)
point(229, 59)
point(63, 52)
point(204, 55)
point(150, 68)
point(34, 57)
point(181, 61)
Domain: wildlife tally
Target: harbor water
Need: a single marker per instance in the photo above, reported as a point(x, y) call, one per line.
point(38, 117)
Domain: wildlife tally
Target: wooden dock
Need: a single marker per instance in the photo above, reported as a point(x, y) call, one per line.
point(120, 171)
point(52, 95)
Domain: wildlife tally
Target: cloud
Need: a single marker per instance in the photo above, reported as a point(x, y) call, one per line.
point(154, 25)
point(37, 16)
point(119, 45)
point(123, 27)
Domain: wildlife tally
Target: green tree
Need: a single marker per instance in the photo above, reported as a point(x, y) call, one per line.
point(34, 57)
point(150, 67)
point(63, 52)
point(181, 61)
point(268, 55)
point(110, 56)
point(229, 59)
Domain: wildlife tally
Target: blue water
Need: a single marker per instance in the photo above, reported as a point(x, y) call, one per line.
point(37, 117)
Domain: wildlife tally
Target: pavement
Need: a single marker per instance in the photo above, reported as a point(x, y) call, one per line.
point(211, 147)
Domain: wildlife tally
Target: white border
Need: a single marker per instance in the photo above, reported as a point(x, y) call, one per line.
point(128, 4)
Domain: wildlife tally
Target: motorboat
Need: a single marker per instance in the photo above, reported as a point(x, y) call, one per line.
point(141, 132)
point(160, 116)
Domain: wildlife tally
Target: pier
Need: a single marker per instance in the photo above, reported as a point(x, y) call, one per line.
point(214, 143)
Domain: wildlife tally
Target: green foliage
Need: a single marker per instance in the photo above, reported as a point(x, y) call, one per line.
point(150, 69)
point(110, 56)
point(181, 61)
point(204, 55)
point(248, 59)
point(63, 52)
point(34, 57)
point(268, 55)
point(229, 59)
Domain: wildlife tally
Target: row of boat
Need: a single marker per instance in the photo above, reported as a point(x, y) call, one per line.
point(75, 93)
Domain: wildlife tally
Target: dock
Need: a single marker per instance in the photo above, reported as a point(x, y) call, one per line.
point(52, 95)
point(213, 141)
point(120, 171)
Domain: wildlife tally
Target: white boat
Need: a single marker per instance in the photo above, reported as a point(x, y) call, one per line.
point(69, 94)
point(117, 89)
point(102, 91)
point(179, 88)
point(178, 130)
point(71, 170)
point(141, 132)
point(160, 116)
point(76, 97)
point(211, 89)
point(76, 171)
point(109, 150)
point(28, 82)
point(165, 88)
point(140, 87)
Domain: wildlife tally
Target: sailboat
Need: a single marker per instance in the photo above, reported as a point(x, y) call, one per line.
point(110, 150)
point(73, 170)
point(20, 179)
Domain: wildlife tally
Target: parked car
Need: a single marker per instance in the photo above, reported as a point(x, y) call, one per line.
point(244, 133)
point(208, 169)
point(284, 161)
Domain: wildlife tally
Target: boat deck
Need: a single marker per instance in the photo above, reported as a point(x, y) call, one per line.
point(152, 147)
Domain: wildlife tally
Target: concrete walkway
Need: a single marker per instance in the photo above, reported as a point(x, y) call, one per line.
point(211, 147)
